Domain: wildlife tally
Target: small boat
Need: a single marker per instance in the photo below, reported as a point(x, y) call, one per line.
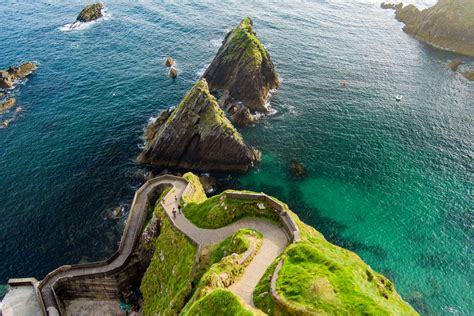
point(399, 97)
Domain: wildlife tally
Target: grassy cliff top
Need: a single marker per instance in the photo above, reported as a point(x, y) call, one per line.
point(317, 277)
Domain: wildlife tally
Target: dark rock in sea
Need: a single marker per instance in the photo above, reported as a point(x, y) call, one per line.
point(469, 75)
point(173, 72)
point(90, 13)
point(243, 68)
point(448, 24)
point(197, 136)
point(169, 62)
point(386, 5)
point(208, 183)
point(9, 76)
point(243, 117)
point(297, 168)
point(7, 104)
point(454, 65)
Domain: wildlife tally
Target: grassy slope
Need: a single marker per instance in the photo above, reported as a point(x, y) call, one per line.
point(321, 278)
point(222, 259)
point(219, 211)
point(167, 283)
point(219, 302)
point(317, 276)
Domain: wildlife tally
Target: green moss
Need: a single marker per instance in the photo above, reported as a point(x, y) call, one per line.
point(210, 117)
point(219, 302)
point(243, 43)
point(219, 211)
point(167, 281)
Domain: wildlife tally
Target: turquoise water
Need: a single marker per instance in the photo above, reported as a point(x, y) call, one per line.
point(391, 181)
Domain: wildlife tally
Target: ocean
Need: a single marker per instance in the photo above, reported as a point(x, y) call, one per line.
point(392, 181)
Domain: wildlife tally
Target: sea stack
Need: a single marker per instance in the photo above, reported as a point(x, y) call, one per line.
point(9, 76)
point(448, 25)
point(243, 68)
point(91, 12)
point(196, 135)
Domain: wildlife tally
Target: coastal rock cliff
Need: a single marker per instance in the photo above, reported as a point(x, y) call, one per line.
point(243, 68)
point(197, 136)
point(448, 25)
point(91, 12)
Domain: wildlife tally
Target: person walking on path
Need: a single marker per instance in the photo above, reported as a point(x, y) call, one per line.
point(180, 209)
point(174, 213)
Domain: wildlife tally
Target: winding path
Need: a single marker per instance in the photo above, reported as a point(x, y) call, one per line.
point(275, 239)
point(274, 242)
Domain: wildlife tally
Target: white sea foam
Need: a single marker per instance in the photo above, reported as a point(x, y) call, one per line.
point(201, 70)
point(78, 26)
point(152, 119)
point(217, 42)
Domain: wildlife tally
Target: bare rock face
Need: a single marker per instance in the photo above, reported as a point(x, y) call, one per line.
point(90, 13)
point(454, 65)
point(448, 25)
point(9, 76)
point(243, 68)
point(197, 136)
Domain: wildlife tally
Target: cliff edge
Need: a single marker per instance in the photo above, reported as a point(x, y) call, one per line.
point(243, 68)
point(197, 136)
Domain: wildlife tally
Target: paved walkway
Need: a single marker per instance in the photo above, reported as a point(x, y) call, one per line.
point(274, 242)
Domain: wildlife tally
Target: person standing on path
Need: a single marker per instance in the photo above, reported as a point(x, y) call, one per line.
point(174, 213)
point(180, 209)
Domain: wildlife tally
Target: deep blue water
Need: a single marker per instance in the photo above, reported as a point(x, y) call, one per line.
point(392, 182)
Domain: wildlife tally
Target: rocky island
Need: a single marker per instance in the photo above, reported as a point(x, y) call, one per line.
point(196, 135)
point(243, 68)
point(448, 25)
point(91, 12)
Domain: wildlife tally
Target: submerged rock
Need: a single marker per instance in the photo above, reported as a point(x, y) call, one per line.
point(469, 75)
point(9, 76)
point(454, 65)
point(243, 68)
point(7, 104)
point(448, 24)
point(197, 136)
point(169, 62)
point(297, 168)
point(91, 12)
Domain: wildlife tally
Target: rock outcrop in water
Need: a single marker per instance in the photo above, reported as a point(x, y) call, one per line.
point(14, 73)
point(197, 136)
point(91, 12)
point(448, 25)
point(243, 68)
point(469, 75)
point(7, 104)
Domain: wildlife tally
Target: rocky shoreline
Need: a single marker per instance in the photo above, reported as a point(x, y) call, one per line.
point(447, 25)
